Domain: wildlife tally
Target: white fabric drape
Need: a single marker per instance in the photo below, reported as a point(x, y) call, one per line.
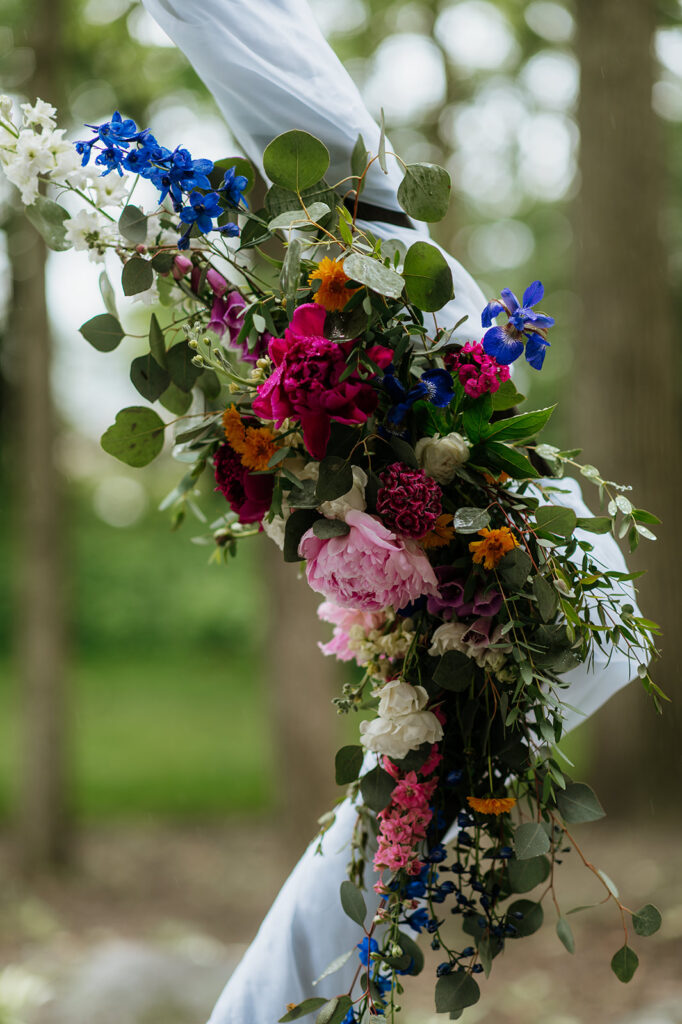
point(270, 70)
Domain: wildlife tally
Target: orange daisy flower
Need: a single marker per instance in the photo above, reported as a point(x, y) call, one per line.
point(233, 426)
point(332, 293)
point(492, 804)
point(494, 546)
point(258, 448)
point(501, 479)
point(441, 535)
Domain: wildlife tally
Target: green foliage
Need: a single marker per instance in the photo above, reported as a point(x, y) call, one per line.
point(526, 917)
point(471, 520)
point(183, 372)
point(376, 788)
point(136, 437)
point(455, 671)
point(150, 379)
point(335, 478)
point(137, 276)
point(133, 224)
point(411, 959)
point(375, 275)
point(428, 278)
point(578, 803)
point(326, 528)
point(647, 921)
point(624, 964)
point(303, 1009)
point(103, 331)
point(456, 991)
point(48, 218)
point(424, 192)
point(295, 160)
point(348, 763)
point(353, 902)
point(530, 840)
point(565, 933)
point(556, 519)
point(524, 875)
point(334, 1011)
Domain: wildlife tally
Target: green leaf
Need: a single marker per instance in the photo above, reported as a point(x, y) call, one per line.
point(595, 524)
point(48, 217)
point(428, 278)
point(304, 1008)
point(376, 788)
point(295, 160)
point(514, 569)
point(348, 763)
point(456, 991)
point(103, 331)
point(556, 519)
point(476, 418)
point(133, 225)
point(565, 933)
point(455, 672)
point(336, 965)
point(290, 274)
point(501, 457)
point(182, 370)
point(371, 272)
point(157, 343)
point(359, 159)
point(530, 840)
point(411, 959)
point(624, 964)
point(327, 528)
point(524, 875)
point(353, 902)
point(521, 427)
point(150, 379)
point(162, 262)
point(137, 276)
point(424, 192)
point(647, 920)
point(107, 293)
point(298, 523)
point(530, 919)
point(404, 451)
point(471, 520)
point(334, 1011)
point(175, 400)
point(546, 596)
point(506, 396)
point(278, 199)
point(136, 437)
point(315, 212)
point(577, 803)
point(335, 478)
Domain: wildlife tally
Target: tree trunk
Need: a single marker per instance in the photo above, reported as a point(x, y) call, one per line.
point(627, 401)
point(41, 614)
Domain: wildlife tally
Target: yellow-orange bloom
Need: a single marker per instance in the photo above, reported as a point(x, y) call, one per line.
point(491, 804)
point(494, 546)
point(233, 426)
point(258, 448)
point(332, 293)
point(441, 535)
point(501, 479)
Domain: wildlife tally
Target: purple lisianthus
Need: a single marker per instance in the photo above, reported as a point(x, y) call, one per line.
point(524, 328)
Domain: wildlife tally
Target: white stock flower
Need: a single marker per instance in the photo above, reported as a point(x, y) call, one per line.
point(23, 174)
point(36, 150)
point(87, 230)
point(400, 698)
point(110, 190)
point(395, 737)
point(6, 107)
point(39, 113)
point(441, 457)
point(338, 508)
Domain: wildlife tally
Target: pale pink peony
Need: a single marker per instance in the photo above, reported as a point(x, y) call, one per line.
point(368, 568)
point(343, 619)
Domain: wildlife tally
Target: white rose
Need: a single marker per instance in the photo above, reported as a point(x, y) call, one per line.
point(396, 737)
point(352, 499)
point(400, 698)
point(448, 637)
point(441, 457)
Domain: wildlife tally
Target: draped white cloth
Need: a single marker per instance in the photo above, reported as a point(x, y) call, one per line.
point(270, 70)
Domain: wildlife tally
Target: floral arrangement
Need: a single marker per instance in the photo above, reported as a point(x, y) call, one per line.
point(368, 442)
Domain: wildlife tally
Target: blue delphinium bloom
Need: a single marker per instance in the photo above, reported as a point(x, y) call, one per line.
point(434, 386)
point(202, 211)
point(111, 158)
point(233, 187)
point(366, 947)
point(418, 919)
point(524, 328)
point(119, 129)
point(350, 1017)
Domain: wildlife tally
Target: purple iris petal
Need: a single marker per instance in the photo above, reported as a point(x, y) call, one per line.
point(498, 343)
point(510, 300)
point(536, 347)
point(493, 309)
point(538, 319)
point(533, 293)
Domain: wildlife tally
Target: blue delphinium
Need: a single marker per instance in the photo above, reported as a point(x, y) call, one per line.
point(524, 328)
point(233, 187)
point(366, 947)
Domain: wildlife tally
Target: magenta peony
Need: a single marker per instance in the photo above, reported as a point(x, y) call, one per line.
point(368, 568)
point(306, 384)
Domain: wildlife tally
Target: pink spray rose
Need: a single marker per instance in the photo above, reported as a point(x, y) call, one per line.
point(306, 384)
point(368, 568)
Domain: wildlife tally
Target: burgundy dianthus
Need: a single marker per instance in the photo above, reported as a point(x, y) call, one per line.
point(248, 494)
point(409, 502)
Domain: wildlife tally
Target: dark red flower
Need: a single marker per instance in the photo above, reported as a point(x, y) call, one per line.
point(409, 502)
point(248, 494)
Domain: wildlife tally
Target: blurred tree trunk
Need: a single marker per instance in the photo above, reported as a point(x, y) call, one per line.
point(41, 614)
point(627, 398)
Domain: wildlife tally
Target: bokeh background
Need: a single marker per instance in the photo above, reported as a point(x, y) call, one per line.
point(165, 731)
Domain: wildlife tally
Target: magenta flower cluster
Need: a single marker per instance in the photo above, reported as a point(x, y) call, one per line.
point(478, 373)
point(409, 502)
point(249, 494)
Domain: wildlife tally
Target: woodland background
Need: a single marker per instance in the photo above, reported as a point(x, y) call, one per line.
point(145, 724)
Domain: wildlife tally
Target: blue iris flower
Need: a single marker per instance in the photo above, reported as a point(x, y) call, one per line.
point(524, 328)
point(202, 211)
point(233, 186)
point(434, 386)
point(366, 947)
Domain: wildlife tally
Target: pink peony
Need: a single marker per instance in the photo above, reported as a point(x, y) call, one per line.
point(343, 619)
point(306, 384)
point(368, 568)
point(249, 494)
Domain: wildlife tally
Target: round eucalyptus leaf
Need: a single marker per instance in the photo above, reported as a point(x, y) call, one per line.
point(647, 920)
point(624, 964)
point(578, 803)
point(137, 276)
point(103, 331)
point(374, 274)
point(428, 278)
point(456, 991)
point(348, 763)
point(175, 400)
point(524, 875)
point(133, 224)
point(471, 520)
point(530, 840)
point(295, 160)
point(353, 902)
point(48, 217)
point(526, 917)
point(424, 192)
point(136, 437)
point(150, 379)
point(182, 370)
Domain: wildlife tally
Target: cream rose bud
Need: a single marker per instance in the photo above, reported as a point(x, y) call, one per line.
point(398, 736)
point(400, 698)
point(449, 638)
point(441, 457)
point(352, 499)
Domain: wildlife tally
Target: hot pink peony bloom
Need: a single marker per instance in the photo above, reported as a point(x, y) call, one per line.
point(248, 494)
point(343, 619)
point(368, 568)
point(306, 385)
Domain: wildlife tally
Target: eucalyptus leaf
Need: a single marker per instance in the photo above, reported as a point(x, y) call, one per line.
point(524, 875)
point(530, 840)
point(353, 902)
point(290, 274)
point(335, 965)
point(411, 959)
point(48, 217)
point(182, 370)
point(578, 803)
point(300, 217)
point(471, 520)
point(335, 1010)
point(428, 278)
point(624, 964)
point(132, 224)
point(157, 343)
point(376, 788)
point(456, 991)
point(303, 1009)
point(371, 272)
point(556, 519)
point(424, 192)
point(546, 596)
point(136, 437)
point(103, 331)
point(150, 379)
point(325, 529)
point(348, 763)
point(565, 933)
point(526, 917)
point(298, 523)
point(137, 276)
point(514, 568)
point(359, 159)
point(295, 160)
point(647, 920)
point(404, 451)
point(455, 672)
point(108, 296)
point(335, 478)
point(175, 400)
point(594, 524)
